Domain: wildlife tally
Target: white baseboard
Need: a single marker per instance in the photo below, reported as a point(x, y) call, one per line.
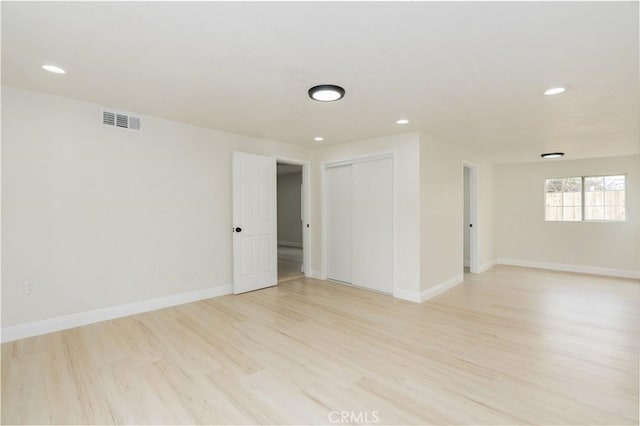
point(486, 266)
point(441, 287)
point(289, 244)
point(64, 322)
point(315, 274)
point(411, 296)
point(318, 275)
point(622, 273)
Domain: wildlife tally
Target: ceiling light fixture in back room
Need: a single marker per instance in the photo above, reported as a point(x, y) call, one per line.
point(326, 93)
point(552, 155)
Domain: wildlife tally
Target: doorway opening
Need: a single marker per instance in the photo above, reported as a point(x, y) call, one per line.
point(291, 221)
point(469, 225)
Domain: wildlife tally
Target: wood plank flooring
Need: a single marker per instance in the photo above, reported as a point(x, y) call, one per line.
point(510, 346)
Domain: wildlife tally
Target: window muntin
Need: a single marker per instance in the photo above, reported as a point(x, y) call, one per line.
point(586, 198)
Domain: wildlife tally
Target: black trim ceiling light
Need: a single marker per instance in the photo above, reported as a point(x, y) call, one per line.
point(326, 93)
point(552, 155)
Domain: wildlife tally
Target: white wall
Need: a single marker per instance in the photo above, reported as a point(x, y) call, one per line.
point(290, 209)
point(430, 190)
point(523, 234)
point(442, 212)
point(485, 226)
point(96, 216)
point(407, 192)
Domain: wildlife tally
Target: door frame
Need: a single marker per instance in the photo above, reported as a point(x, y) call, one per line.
point(306, 209)
point(473, 216)
point(323, 210)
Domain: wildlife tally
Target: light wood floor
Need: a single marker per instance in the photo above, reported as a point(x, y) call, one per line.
point(511, 346)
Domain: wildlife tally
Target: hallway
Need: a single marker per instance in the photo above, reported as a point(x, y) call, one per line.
point(289, 263)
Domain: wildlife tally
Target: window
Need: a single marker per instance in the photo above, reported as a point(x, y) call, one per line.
point(604, 197)
point(563, 199)
point(585, 198)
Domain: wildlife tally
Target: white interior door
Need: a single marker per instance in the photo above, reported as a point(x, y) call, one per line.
point(339, 212)
point(373, 225)
point(255, 245)
point(472, 228)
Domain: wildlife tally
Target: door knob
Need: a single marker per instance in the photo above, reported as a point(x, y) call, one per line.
point(238, 229)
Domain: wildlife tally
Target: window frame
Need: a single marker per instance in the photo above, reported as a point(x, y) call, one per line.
point(582, 196)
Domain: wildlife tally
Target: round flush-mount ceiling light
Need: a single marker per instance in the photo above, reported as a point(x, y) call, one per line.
point(54, 69)
point(554, 91)
point(326, 93)
point(402, 121)
point(318, 139)
point(548, 155)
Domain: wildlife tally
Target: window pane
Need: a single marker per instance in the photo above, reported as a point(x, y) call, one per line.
point(594, 183)
point(594, 213)
point(614, 183)
point(594, 199)
point(614, 213)
point(553, 185)
point(614, 198)
point(604, 197)
point(573, 184)
point(572, 213)
point(571, 199)
point(553, 213)
point(553, 199)
point(563, 198)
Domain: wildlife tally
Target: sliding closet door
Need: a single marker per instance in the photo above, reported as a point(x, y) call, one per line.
point(373, 225)
point(339, 215)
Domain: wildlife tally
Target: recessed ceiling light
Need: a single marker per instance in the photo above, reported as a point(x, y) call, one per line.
point(554, 91)
point(53, 69)
point(552, 155)
point(402, 121)
point(318, 139)
point(326, 93)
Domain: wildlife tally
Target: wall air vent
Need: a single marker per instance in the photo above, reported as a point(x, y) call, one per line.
point(108, 118)
point(134, 123)
point(124, 121)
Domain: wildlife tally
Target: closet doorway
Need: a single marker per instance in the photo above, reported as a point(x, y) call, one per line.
point(359, 222)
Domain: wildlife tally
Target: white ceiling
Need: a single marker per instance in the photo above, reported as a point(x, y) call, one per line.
point(468, 73)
